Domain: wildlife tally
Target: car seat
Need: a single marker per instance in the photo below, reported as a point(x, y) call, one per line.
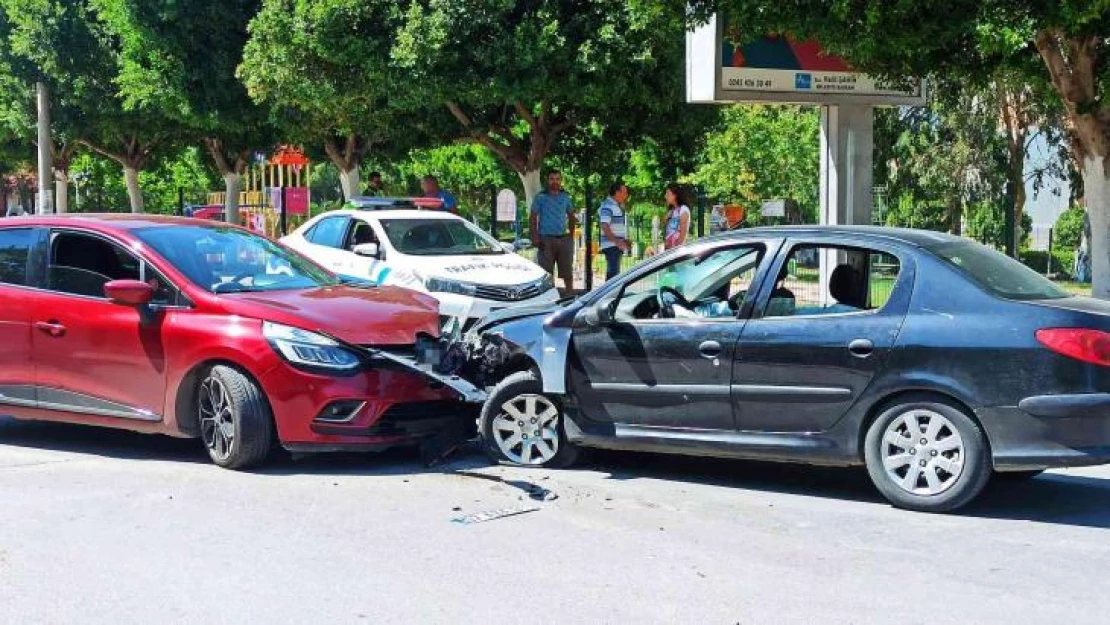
point(363, 234)
point(845, 286)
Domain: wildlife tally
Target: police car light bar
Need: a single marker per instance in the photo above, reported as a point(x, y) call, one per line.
point(386, 203)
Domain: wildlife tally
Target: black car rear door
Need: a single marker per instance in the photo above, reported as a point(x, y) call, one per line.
point(805, 356)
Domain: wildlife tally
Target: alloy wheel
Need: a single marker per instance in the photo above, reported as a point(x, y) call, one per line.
point(526, 431)
point(217, 425)
point(922, 452)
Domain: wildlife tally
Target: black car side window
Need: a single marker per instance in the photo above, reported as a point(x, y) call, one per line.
point(706, 286)
point(15, 249)
point(829, 279)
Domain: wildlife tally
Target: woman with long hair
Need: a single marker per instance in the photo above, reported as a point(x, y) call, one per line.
point(678, 216)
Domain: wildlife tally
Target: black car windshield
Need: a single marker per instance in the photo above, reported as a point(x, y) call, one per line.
point(997, 272)
point(438, 237)
point(222, 259)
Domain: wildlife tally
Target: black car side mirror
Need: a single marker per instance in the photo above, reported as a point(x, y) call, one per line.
point(594, 316)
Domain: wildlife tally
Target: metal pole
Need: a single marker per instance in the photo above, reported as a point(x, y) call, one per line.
point(46, 166)
point(589, 226)
point(283, 224)
point(180, 201)
point(493, 212)
point(701, 212)
point(1048, 261)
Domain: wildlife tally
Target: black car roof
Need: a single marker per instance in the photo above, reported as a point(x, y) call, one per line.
point(918, 238)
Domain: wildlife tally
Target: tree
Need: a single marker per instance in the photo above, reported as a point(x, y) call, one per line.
point(180, 59)
point(1062, 42)
point(518, 77)
point(324, 67)
point(762, 152)
point(64, 44)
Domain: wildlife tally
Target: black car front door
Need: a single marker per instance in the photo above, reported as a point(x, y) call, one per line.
point(821, 332)
point(667, 366)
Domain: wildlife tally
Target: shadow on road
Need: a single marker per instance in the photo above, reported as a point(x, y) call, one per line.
point(1056, 498)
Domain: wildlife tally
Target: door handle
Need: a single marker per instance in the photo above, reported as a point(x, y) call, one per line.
point(709, 349)
point(52, 327)
point(861, 348)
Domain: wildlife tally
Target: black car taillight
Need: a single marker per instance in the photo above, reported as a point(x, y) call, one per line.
point(1091, 346)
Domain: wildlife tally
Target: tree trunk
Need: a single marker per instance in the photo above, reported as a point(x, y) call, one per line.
point(134, 193)
point(532, 185)
point(232, 181)
point(1096, 184)
point(349, 180)
point(61, 190)
point(1019, 211)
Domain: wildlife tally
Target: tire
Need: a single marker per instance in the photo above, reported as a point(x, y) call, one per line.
point(230, 403)
point(514, 443)
point(955, 452)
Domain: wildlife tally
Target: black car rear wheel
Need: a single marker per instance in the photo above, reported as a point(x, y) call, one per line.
point(925, 454)
point(235, 421)
point(522, 426)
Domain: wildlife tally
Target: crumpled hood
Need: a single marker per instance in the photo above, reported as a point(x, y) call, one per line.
point(516, 312)
point(366, 316)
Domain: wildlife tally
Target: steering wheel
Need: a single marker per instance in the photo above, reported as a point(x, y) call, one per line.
point(667, 297)
point(735, 301)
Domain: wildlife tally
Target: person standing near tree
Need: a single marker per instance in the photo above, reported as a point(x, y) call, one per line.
point(678, 217)
point(614, 242)
point(552, 222)
point(432, 190)
point(375, 187)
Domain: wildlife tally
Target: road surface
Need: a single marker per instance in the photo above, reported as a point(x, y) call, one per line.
point(98, 526)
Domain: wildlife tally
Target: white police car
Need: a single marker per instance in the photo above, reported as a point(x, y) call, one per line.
point(394, 242)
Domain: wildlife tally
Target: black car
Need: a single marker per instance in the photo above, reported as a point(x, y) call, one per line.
point(933, 360)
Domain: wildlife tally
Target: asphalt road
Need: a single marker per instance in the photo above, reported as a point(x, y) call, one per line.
point(99, 526)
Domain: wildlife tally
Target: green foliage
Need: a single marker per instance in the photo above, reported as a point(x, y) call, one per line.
point(762, 152)
point(103, 189)
point(1069, 228)
point(468, 171)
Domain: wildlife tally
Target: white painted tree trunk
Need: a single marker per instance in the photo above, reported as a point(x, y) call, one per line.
point(351, 184)
point(232, 181)
point(61, 191)
point(134, 193)
point(1096, 186)
point(531, 180)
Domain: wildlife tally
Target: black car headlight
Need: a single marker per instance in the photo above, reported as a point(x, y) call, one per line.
point(309, 349)
point(439, 285)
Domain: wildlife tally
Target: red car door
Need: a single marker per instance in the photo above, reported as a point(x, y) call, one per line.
point(92, 356)
point(17, 373)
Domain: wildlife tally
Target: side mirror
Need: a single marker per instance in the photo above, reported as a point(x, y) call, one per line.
point(594, 316)
point(509, 247)
point(129, 292)
point(370, 250)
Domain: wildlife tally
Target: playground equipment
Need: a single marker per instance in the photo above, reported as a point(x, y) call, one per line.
point(271, 183)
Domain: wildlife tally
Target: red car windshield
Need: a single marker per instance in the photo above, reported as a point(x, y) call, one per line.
point(229, 260)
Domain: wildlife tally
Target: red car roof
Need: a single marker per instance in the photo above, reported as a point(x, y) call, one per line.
point(115, 221)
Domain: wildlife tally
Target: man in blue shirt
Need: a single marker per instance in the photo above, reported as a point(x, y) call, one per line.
point(552, 226)
point(613, 242)
point(432, 190)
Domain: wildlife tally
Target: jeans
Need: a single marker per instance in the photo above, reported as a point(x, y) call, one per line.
point(612, 262)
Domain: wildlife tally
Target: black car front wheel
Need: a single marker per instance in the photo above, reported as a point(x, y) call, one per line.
point(925, 454)
point(522, 426)
point(235, 422)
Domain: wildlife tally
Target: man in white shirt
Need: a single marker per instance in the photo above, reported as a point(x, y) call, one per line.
point(614, 242)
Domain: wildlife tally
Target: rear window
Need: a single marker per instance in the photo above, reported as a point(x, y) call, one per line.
point(998, 273)
point(15, 248)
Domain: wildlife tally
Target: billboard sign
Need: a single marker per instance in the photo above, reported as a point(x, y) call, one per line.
point(778, 68)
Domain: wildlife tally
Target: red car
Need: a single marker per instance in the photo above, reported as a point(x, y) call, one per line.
point(199, 329)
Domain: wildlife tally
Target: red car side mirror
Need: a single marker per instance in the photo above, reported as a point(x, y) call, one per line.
point(129, 292)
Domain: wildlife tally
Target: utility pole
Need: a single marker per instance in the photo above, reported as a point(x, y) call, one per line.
point(46, 167)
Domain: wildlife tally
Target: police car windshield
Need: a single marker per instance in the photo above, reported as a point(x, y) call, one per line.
point(439, 237)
